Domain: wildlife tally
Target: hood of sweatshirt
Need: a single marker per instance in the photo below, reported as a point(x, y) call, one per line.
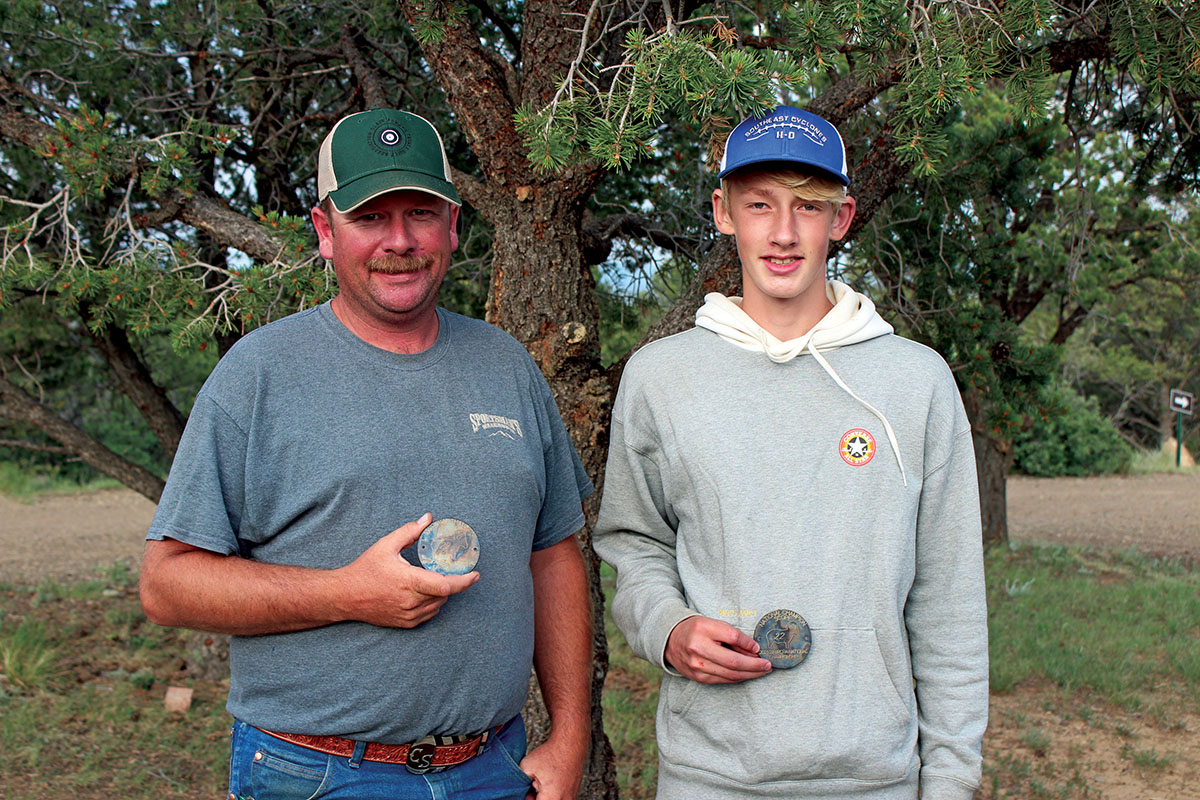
point(852, 319)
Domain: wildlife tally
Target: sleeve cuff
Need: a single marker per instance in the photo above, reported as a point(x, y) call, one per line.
point(938, 787)
point(667, 623)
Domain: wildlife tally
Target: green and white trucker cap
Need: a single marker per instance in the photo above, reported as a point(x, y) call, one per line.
point(382, 150)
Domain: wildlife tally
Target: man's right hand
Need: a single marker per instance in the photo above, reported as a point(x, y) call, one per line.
point(388, 591)
point(187, 586)
point(710, 651)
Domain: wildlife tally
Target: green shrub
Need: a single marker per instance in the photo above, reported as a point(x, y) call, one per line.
point(1071, 438)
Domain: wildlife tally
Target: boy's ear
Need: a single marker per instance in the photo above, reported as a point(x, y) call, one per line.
point(843, 218)
point(721, 214)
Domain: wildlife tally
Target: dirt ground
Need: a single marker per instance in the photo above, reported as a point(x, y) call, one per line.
point(1032, 728)
point(1157, 514)
point(65, 536)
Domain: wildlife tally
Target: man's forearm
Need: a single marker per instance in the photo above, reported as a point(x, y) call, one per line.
point(563, 641)
point(187, 587)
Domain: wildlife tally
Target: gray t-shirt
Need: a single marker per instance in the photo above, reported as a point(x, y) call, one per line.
point(307, 445)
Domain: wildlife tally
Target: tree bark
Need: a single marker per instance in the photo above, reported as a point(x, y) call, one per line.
point(542, 294)
point(993, 460)
point(164, 419)
point(542, 290)
point(16, 404)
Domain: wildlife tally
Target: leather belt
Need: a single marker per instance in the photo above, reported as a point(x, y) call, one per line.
point(433, 753)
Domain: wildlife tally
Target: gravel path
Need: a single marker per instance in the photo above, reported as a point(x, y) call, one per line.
point(72, 535)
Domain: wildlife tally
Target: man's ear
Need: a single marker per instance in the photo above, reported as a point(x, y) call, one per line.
point(324, 228)
point(454, 226)
point(843, 218)
point(721, 215)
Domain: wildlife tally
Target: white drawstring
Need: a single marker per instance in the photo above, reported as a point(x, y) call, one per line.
point(886, 425)
point(851, 320)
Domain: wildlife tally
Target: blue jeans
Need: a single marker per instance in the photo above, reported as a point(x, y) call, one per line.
point(285, 771)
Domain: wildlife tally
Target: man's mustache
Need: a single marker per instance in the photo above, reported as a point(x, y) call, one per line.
point(393, 265)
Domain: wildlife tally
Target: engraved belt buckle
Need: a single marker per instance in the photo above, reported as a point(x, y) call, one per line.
point(420, 757)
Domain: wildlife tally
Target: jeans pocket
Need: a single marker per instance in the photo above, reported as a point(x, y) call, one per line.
point(265, 768)
point(509, 745)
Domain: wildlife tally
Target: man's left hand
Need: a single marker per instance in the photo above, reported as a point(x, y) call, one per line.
point(556, 771)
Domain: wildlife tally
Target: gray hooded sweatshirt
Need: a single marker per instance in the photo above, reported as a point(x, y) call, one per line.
point(831, 475)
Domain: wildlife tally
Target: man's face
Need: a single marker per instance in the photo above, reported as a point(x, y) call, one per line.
point(782, 241)
point(390, 254)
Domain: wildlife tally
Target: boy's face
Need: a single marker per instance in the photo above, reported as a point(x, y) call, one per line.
point(782, 241)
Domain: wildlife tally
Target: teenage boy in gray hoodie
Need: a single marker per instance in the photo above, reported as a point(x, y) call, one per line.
point(791, 467)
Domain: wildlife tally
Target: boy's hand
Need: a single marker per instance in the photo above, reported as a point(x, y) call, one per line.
point(710, 651)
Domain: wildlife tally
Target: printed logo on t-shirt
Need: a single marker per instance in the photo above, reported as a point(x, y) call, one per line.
point(857, 447)
point(494, 425)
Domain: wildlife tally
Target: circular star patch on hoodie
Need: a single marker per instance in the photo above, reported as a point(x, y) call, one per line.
point(857, 447)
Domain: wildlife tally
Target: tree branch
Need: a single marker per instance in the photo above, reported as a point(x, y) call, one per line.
point(598, 234)
point(230, 228)
point(841, 100)
point(475, 88)
point(209, 215)
point(506, 30)
point(872, 181)
point(1068, 324)
point(17, 125)
point(472, 190)
point(164, 419)
point(16, 404)
point(36, 447)
point(719, 271)
point(368, 81)
point(1067, 55)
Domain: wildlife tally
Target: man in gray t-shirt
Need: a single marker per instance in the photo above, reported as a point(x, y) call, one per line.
point(317, 452)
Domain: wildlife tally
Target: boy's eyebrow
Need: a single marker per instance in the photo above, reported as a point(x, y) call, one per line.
point(756, 191)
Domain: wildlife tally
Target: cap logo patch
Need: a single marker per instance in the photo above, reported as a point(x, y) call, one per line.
point(857, 447)
point(786, 126)
point(389, 139)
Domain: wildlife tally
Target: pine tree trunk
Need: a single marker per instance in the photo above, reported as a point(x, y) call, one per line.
point(1166, 418)
point(993, 460)
point(543, 294)
point(541, 290)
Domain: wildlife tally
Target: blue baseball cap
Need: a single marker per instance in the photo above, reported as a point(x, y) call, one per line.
point(787, 135)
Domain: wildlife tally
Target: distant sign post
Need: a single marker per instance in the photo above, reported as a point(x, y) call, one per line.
point(1183, 403)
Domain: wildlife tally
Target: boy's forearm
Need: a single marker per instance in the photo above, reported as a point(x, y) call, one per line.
point(946, 617)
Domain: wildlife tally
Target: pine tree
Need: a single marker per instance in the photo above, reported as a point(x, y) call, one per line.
point(156, 160)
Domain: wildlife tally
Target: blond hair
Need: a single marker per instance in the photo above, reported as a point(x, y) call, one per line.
point(804, 185)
